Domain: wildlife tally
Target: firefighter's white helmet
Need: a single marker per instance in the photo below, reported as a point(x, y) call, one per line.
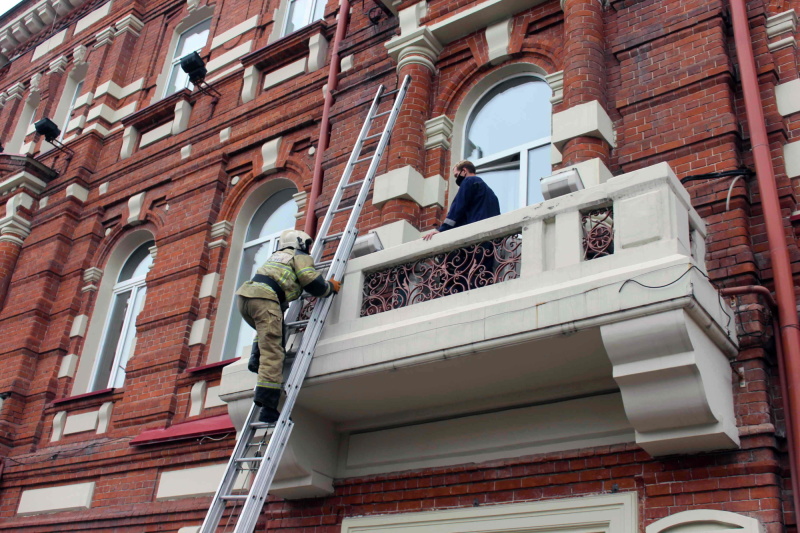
point(292, 238)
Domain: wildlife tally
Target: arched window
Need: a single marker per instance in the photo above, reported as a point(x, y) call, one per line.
point(507, 137)
point(119, 332)
point(261, 239)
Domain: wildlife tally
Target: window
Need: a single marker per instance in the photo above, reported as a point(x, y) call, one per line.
point(507, 137)
point(192, 40)
point(24, 126)
point(261, 239)
point(119, 332)
point(302, 13)
point(70, 108)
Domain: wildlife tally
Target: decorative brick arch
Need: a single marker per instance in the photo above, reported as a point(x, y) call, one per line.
point(705, 520)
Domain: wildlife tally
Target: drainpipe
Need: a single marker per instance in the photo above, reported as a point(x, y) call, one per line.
point(324, 127)
point(767, 188)
point(780, 355)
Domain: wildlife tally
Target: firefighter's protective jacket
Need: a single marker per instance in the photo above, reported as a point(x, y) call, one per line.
point(294, 271)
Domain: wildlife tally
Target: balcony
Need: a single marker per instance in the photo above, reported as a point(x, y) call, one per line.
point(585, 320)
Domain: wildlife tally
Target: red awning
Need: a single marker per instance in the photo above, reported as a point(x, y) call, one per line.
point(204, 427)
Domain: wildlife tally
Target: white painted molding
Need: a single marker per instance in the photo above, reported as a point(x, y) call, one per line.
point(197, 398)
point(301, 199)
point(61, 498)
point(58, 65)
point(588, 119)
point(80, 422)
point(93, 17)
point(14, 229)
point(788, 97)
point(130, 23)
point(438, 131)
point(419, 47)
point(781, 23)
point(212, 398)
point(135, 204)
point(104, 37)
point(79, 326)
point(347, 63)
point(119, 92)
point(408, 184)
point(67, 367)
point(705, 520)
point(239, 29)
point(208, 287)
point(791, 159)
point(317, 52)
point(616, 513)
point(156, 134)
point(58, 426)
point(789, 42)
point(22, 180)
point(592, 171)
point(103, 188)
point(410, 17)
point(225, 134)
point(292, 70)
point(91, 276)
point(77, 191)
point(229, 57)
point(498, 38)
point(153, 251)
point(189, 529)
point(196, 481)
point(49, 45)
point(104, 417)
point(397, 233)
point(199, 331)
point(269, 155)
point(250, 83)
point(130, 138)
point(79, 54)
point(221, 229)
point(15, 92)
point(556, 83)
point(14, 203)
point(186, 151)
point(675, 383)
point(183, 112)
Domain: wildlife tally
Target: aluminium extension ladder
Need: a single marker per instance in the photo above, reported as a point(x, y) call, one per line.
point(260, 450)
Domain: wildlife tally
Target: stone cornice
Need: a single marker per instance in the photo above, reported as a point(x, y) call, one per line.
point(420, 46)
point(14, 228)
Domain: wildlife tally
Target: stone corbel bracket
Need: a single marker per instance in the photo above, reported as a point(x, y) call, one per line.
point(219, 234)
point(782, 25)
point(91, 276)
point(420, 46)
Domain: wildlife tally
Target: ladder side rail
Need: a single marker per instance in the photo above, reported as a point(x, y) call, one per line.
point(316, 252)
point(259, 488)
point(214, 514)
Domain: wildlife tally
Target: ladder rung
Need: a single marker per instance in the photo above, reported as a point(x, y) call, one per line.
point(343, 209)
point(353, 184)
point(368, 158)
point(382, 114)
point(375, 136)
point(248, 459)
point(324, 264)
point(329, 238)
point(296, 324)
point(390, 93)
point(234, 497)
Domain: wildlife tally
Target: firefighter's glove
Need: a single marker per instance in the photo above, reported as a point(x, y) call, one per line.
point(335, 285)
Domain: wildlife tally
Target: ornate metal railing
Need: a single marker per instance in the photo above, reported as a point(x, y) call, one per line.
point(451, 272)
point(598, 233)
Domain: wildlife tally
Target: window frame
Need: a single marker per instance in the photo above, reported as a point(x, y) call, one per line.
point(312, 8)
point(135, 285)
point(522, 149)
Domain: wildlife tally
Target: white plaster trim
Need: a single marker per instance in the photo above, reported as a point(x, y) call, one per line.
point(24, 180)
point(135, 204)
point(498, 38)
point(67, 367)
point(79, 326)
point(104, 37)
point(156, 134)
point(110, 115)
point(408, 184)
point(130, 138)
point(58, 426)
point(269, 155)
point(612, 513)
point(77, 191)
point(129, 24)
point(101, 130)
point(438, 131)
point(705, 520)
point(197, 398)
point(189, 529)
point(197, 481)
point(93, 17)
point(556, 83)
point(13, 204)
point(791, 159)
point(49, 45)
point(396, 233)
point(788, 97)
point(84, 99)
point(183, 112)
point(589, 119)
point(478, 17)
point(420, 47)
point(789, 42)
point(301, 199)
point(61, 498)
point(208, 287)
point(229, 56)
point(199, 331)
point(317, 52)
point(58, 65)
point(104, 417)
point(250, 83)
point(225, 134)
point(347, 63)
point(212, 397)
point(781, 23)
point(119, 92)
point(234, 32)
point(292, 70)
point(78, 423)
point(220, 75)
point(186, 151)
point(592, 171)
point(221, 229)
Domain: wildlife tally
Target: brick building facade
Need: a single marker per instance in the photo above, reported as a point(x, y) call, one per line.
point(611, 390)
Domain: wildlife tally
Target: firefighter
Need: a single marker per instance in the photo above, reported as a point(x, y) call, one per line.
point(262, 302)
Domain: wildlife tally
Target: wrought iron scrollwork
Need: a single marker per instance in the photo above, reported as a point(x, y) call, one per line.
point(470, 267)
point(598, 233)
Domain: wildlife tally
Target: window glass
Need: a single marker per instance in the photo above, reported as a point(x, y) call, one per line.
point(274, 216)
point(507, 137)
point(192, 40)
point(301, 13)
point(71, 108)
point(119, 336)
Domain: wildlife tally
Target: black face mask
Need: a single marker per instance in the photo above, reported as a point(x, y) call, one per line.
point(459, 179)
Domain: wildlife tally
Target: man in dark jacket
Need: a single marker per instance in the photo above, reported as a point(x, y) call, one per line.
point(473, 266)
point(474, 200)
